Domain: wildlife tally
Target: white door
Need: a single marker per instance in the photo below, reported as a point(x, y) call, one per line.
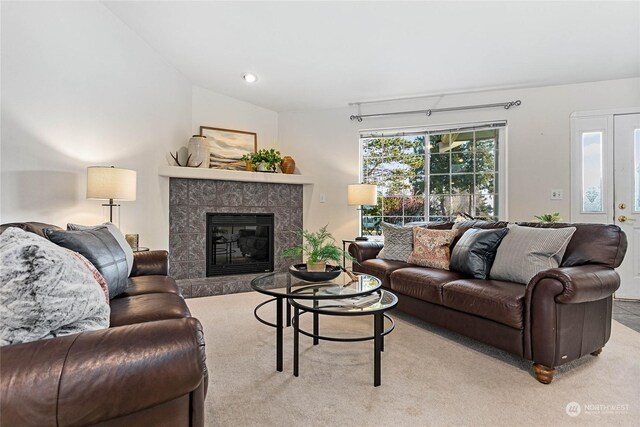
point(605, 181)
point(626, 145)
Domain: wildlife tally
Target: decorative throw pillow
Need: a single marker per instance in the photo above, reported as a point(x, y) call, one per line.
point(398, 242)
point(526, 251)
point(475, 251)
point(101, 249)
point(128, 252)
point(431, 247)
point(45, 291)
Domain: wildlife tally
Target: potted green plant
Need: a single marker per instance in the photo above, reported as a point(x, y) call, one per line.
point(318, 248)
point(265, 160)
point(552, 217)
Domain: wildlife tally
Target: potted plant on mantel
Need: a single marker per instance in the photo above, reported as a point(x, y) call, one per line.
point(265, 160)
point(318, 248)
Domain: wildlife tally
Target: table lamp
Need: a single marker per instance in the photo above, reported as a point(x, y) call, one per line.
point(111, 183)
point(362, 195)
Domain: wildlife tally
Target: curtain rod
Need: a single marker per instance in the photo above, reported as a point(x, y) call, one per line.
point(505, 105)
point(435, 131)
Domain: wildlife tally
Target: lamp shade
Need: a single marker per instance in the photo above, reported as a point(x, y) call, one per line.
point(105, 182)
point(362, 194)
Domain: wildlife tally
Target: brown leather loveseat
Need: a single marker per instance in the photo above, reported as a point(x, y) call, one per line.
point(561, 315)
point(147, 368)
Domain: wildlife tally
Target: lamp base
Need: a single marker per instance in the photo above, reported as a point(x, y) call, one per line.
point(111, 213)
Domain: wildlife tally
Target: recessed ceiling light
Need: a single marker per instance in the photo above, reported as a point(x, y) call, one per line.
point(249, 78)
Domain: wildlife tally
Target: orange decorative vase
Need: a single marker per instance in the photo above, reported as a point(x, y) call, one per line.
point(288, 165)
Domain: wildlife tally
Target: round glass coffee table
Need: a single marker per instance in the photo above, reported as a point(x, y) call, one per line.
point(283, 286)
point(377, 305)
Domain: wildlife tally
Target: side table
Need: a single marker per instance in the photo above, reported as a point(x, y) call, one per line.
point(344, 249)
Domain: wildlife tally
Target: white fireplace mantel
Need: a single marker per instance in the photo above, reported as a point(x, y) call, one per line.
point(227, 175)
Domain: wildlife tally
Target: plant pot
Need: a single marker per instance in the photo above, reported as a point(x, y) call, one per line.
point(248, 166)
point(316, 266)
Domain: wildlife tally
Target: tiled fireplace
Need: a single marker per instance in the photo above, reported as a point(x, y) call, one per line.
point(190, 200)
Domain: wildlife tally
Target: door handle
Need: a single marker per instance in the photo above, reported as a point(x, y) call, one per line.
point(623, 218)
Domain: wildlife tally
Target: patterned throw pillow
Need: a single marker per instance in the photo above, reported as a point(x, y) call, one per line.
point(45, 291)
point(526, 251)
point(431, 247)
point(398, 242)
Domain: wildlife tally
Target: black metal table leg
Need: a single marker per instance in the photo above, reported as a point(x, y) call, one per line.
point(316, 328)
point(296, 342)
point(378, 321)
point(288, 314)
point(279, 334)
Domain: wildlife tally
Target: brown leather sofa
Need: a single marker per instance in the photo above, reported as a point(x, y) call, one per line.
point(147, 368)
point(561, 315)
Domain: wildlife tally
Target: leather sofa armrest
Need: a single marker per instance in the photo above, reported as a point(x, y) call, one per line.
point(365, 250)
point(99, 375)
point(581, 283)
point(150, 263)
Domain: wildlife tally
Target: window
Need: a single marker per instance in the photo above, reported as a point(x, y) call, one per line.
point(431, 175)
point(592, 172)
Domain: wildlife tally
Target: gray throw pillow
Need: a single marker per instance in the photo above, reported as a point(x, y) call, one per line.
point(526, 251)
point(128, 252)
point(101, 249)
point(46, 291)
point(475, 252)
point(398, 242)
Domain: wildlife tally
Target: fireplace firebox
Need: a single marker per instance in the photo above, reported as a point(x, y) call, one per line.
point(239, 243)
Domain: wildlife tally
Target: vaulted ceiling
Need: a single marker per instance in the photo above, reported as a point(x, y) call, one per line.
point(314, 55)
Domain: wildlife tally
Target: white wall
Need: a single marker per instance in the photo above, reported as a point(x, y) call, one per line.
point(79, 89)
point(324, 144)
point(220, 111)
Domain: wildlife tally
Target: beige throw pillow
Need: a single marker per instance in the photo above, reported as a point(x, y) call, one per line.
point(431, 247)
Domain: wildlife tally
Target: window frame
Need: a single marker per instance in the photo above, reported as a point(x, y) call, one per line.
point(499, 171)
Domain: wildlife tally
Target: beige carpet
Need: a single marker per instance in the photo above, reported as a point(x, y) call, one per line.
point(429, 377)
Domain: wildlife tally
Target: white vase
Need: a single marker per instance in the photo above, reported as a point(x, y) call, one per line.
point(199, 150)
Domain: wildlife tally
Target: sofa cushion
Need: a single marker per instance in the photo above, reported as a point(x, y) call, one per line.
point(102, 249)
point(398, 242)
point(526, 251)
point(117, 234)
point(423, 283)
point(31, 227)
point(602, 244)
point(431, 247)
point(147, 308)
point(142, 285)
point(475, 252)
point(463, 226)
point(491, 299)
point(381, 268)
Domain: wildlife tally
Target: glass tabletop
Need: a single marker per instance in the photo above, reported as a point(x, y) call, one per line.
point(377, 301)
point(285, 285)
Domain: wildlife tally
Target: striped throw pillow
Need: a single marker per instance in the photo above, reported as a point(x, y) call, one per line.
point(526, 251)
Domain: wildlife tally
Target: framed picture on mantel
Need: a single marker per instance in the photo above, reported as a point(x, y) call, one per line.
point(227, 146)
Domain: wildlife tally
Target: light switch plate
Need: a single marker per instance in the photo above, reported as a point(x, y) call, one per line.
point(556, 194)
point(323, 198)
